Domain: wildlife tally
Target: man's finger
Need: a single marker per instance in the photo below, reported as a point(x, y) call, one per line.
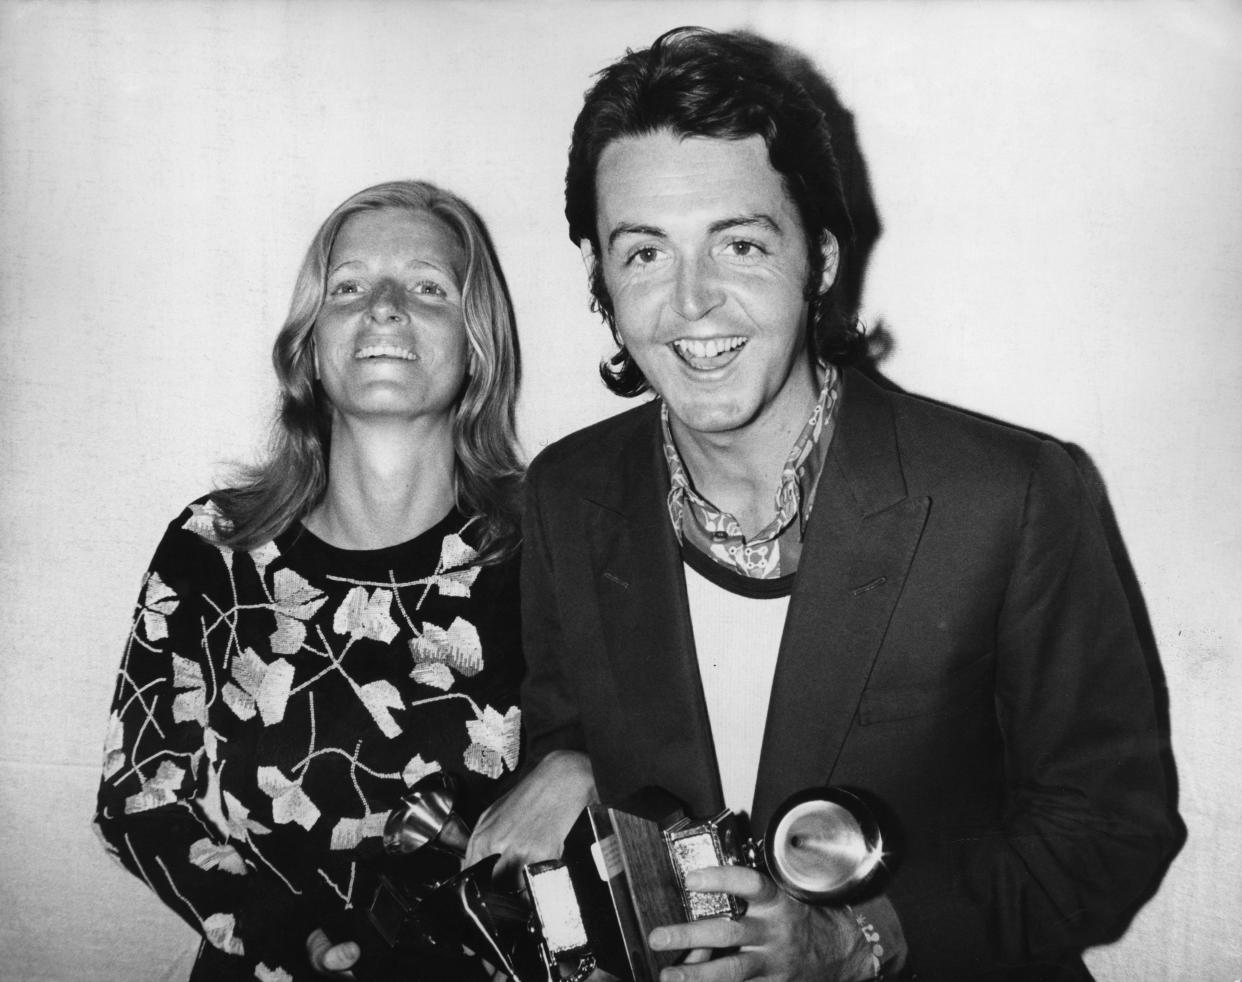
point(340, 957)
point(317, 944)
point(731, 968)
point(741, 881)
point(325, 957)
point(715, 932)
point(697, 955)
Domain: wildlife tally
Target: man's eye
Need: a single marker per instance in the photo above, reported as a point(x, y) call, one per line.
point(744, 249)
point(647, 254)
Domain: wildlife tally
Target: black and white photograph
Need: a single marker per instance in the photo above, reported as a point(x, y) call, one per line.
point(620, 490)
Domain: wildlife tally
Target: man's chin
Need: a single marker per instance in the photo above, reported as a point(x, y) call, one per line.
point(708, 419)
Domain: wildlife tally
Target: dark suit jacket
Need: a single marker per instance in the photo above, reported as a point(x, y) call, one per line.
point(957, 645)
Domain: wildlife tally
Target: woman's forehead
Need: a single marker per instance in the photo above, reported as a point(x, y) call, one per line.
point(397, 234)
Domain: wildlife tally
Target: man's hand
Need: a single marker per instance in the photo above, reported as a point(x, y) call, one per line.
point(530, 822)
point(327, 958)
point(777, 938)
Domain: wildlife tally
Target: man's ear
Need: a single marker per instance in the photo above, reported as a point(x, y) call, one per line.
point(588, 256)
point(831, 252)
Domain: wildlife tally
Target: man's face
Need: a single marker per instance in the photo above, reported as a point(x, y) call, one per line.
point(705, 259)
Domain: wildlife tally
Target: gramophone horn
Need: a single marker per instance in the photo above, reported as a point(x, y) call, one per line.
point(821, 844)
point(425, 818)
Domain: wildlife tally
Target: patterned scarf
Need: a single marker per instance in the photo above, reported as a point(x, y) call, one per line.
point(717, 533)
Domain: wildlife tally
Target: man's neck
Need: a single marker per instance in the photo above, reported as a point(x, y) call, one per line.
point(738, 471)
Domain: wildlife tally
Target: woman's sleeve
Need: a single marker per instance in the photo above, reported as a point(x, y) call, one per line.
point(160, 811)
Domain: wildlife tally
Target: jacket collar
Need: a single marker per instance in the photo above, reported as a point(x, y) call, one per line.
point(860, 542)
point(645, 621)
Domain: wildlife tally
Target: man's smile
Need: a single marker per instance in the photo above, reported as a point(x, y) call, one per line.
point(708, 353)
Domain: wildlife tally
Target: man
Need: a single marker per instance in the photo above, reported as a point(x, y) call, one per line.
point(778, 575)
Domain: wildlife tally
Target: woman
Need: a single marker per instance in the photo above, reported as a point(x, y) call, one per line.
point(344, 620)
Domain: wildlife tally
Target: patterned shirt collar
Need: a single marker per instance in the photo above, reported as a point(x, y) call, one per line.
point(718, 534)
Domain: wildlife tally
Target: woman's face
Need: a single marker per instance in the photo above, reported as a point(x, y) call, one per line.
point(390, 340)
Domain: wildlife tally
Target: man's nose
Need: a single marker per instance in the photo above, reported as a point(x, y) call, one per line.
point(697, 290)
point(387, 302)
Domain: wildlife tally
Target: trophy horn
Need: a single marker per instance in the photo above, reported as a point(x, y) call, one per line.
point(426, 818)
point(822, 844)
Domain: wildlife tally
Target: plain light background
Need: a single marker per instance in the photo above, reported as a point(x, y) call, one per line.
point(1061, 196)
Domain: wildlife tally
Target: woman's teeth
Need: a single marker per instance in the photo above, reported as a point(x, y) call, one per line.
point(385, 351)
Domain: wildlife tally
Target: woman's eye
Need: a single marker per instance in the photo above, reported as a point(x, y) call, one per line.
point(428, 288)
point(345, 288)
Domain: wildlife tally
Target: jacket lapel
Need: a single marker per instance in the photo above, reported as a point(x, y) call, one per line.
point(645, 621)
point(860, 540)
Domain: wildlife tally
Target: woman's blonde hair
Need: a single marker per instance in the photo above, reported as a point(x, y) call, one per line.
point(272, 495)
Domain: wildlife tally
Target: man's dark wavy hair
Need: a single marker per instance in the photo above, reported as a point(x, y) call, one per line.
point(697, 82)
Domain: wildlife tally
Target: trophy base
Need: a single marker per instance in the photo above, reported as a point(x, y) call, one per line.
point(625, 882)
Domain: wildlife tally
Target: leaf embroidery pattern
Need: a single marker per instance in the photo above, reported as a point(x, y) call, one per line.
point(381, 698)
point(158, 790)
point(238, 820)
point(114, 746)
point(203, 521)
point(296, 602)
point(348, 832)
point(433, 673)
point(459, 646)
point(417, 769)
point(258, 685)
point(289, 802)
point(190, 701)
point(264, 555)
point(495, 741)
point(210, 800)
point(454, 552)
point(218, 929)
point(158, 601)
point(363, 616)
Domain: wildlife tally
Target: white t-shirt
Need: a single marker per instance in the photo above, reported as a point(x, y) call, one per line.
point(737, 639)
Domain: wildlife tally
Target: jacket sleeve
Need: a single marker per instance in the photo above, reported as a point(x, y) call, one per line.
point(549, 709)
point(160, 812)
point(1088, 825)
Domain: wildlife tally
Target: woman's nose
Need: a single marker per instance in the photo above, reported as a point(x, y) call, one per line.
point(696, 291)
point(387, 302)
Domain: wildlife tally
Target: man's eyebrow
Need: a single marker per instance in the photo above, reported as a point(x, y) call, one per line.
point(627, 228)
point(760, 220)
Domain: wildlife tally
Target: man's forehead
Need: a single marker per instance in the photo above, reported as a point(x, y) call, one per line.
point(670, 178)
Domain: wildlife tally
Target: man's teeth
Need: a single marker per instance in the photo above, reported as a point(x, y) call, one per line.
point(385, 351)
point(709, 348)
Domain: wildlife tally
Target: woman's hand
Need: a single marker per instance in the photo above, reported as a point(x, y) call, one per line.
point(327, 958)
point(530, 822)
point(777, 938)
